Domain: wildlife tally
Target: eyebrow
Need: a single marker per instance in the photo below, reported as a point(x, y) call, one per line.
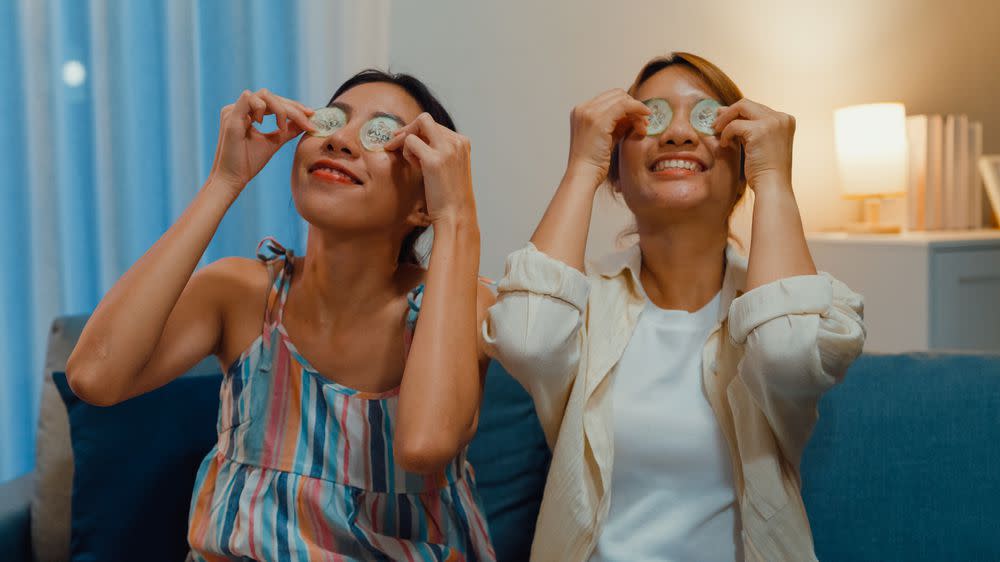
point(392, 116)
point(348, 110)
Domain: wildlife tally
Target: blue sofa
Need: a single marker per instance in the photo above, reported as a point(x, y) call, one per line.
point(904, 463)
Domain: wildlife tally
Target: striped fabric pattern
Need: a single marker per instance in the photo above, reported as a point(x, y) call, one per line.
point(303, 468)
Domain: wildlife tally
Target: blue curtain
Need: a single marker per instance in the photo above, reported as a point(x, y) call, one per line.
point(110, 123)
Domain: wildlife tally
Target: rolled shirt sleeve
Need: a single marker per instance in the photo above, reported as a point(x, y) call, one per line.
point(800, 334)
point(535, 328)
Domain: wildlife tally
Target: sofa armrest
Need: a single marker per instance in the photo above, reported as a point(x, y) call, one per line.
point(15, 518)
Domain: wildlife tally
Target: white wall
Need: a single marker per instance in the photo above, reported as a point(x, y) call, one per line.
point(511, 71)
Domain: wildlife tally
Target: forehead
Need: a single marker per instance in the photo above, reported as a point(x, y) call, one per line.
point(367, 99)
point(675, 83)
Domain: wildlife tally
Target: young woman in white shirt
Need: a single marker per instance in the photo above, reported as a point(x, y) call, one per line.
point(677, 381)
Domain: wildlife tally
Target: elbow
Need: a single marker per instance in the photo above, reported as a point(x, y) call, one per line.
point(520, 349)
point(788, 357)
point(87, 384)
point(426, 455)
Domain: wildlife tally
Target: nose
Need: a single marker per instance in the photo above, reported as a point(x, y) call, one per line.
point(342, 141)
point(679, 131)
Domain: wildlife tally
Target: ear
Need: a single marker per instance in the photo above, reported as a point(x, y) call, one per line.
point(419, 215)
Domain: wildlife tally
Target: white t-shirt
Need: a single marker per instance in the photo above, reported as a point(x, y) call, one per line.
point(672, 492)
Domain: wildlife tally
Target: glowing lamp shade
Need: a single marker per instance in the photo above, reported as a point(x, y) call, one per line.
point(871, 150)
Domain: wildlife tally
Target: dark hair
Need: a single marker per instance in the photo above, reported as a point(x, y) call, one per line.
point(428, 102)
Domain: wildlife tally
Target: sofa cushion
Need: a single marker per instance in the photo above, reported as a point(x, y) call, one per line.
point(134, 468)
point(15, 520)
point(904, 463)
point(50, 502)
point(511, 460)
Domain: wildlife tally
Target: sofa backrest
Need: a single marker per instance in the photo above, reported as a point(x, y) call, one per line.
point(904, 463)
point(509, 453)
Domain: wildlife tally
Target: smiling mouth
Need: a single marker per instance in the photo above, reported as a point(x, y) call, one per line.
point(677, 166)
point(329, 173)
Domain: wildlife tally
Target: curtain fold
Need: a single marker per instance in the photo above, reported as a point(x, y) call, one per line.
point(112, 115)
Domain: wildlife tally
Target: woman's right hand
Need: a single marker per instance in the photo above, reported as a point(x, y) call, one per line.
point(242, 150)
point(596, 126)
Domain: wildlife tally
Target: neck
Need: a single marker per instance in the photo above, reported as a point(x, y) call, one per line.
point(350, 272)
point(683, 264)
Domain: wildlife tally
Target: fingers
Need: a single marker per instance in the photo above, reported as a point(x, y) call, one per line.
point(285, 110)
point(423, 154)
point(431, 132)
point(741, 129)
point(745, 119)
point(425, 127)
point(610, 109)
point(418, 149)
point(258, 107)
point(281, 136)
point(253, 106)
point(396, 142)
point(409, 155)
point(743, 109)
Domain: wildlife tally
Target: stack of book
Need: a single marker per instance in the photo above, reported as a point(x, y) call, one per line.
point(945, 187)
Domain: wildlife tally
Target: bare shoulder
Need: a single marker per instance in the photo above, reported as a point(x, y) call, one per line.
point(231, 279)
point(239, 286)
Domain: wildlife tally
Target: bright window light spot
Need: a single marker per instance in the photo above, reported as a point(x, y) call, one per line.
point(74, 73)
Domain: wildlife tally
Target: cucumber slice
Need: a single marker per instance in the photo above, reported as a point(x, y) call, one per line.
point(327, 120)
point(703, 116)
point(377, 131)
point(661, 116)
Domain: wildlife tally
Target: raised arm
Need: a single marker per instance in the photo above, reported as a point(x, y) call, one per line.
point(801, 330)
point(595, 128)
point(778, 247)
point(157, 320)
point(442, 383)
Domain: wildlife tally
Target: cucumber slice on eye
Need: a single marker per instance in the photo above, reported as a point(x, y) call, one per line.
point(661, 116)
point(703, 116)
point(327, 120)
point(378, 131)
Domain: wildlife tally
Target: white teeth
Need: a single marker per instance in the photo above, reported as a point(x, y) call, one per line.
point(335, 172)
point(684, 164)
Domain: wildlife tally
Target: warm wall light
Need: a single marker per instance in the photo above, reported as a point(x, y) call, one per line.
point(871, 157)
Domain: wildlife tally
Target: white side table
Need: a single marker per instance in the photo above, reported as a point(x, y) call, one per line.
point(922, 290)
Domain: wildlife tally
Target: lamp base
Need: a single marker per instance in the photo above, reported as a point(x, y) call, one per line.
point(872, 228)
point(872, 223)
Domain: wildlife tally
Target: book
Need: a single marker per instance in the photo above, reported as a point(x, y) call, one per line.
point(961, 197)
point(989, 168)
point(933, 217)
point(916, 190)
point(978, 208)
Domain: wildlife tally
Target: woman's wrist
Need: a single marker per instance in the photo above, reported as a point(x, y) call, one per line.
point(771, 185)
point(222, 190)
point(458, 225)
point(584, 175)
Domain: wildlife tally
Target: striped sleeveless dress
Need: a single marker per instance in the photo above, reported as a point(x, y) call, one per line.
point(303, 468)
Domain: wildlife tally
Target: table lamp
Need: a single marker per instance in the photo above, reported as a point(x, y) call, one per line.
point(871, 158)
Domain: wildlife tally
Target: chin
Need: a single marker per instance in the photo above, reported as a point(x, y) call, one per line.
point(328, 210)
point(673, 195)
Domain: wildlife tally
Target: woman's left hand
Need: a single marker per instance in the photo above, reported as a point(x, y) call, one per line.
point(444, 158)
point(766, 136)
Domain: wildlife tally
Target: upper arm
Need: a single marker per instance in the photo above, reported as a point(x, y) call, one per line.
point(484, 300)
point(536, 329)
point(800, 335)
point(194, 328)
point(534, 326)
